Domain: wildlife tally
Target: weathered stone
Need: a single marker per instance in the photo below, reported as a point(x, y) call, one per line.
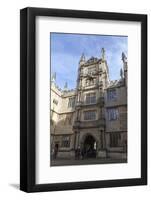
point(71, 110)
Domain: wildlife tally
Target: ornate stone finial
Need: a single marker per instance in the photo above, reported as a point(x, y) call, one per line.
point(53, 77)
point(103, 54)
point(124, 58)
point(66, 86)
point(121, 73)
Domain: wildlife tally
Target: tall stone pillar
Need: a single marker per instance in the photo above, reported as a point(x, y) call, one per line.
point(102, 150)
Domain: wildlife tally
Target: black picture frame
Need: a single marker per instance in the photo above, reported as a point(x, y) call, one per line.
point(28, 99)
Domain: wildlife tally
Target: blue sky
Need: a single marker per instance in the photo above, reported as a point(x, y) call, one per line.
point(66, 50)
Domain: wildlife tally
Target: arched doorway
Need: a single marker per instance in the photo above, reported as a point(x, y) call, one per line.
point(89, 147)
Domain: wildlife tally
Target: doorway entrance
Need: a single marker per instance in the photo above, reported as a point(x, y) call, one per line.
point(89, 147)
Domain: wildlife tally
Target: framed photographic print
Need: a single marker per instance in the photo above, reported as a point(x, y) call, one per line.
point(83, 99)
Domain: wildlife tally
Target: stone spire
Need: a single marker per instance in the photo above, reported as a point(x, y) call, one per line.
point(82, 59)
point(124, 59)
point(65, 86)
point(53, 77)
point(103, 54)
point(121, 73)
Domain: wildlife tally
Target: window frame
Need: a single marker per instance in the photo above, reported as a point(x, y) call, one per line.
point(111, 115)
point(64, 142)
point(90, 98)
point(71, 102)
point(89, 116)
point(110, 95)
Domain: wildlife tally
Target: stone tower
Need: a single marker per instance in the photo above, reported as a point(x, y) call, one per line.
point(89, 123)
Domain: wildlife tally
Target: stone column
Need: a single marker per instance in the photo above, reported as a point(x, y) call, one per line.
point(102, 149)
point(77, 140)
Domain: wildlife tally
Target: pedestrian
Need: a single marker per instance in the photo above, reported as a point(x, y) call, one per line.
point(82, 153)
point(79, 152)
point(55, 151)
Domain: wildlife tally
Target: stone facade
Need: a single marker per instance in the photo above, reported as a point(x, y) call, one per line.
point(93, 117)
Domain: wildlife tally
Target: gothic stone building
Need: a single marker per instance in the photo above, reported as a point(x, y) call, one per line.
point(92, 117)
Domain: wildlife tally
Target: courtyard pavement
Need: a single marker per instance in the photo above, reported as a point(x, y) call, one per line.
point(89, 161)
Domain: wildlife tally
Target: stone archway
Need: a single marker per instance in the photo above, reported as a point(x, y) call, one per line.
point(89, 147)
